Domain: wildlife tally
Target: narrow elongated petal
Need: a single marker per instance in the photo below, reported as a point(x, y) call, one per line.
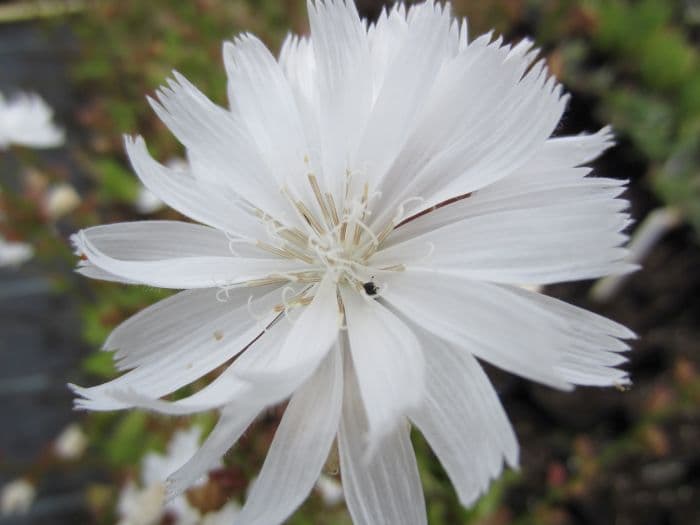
point(216, 206)
point(227, 388)
point(261, 96)
point(232, 423)
point(220, 148)
point(385, 489)
point(344, 84)
point(570, 187)
point(149, 264)
point(542, 244)
point(482, 121)
point(496, 324)
point(178, 340)
point(463, 420)
point(300, 447)
point(407, 78)
point(389, 362)
point(565, 152)
point(309, 340)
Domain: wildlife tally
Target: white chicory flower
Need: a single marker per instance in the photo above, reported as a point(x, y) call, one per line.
point(25, 119)
point(369, 204)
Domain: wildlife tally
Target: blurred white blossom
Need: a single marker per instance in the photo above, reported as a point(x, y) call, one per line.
point(71, 443)
point(145, 505)
point(14, 253)
point(60, 200)
point(25, 119)
point(16, 497)
point(330, 489)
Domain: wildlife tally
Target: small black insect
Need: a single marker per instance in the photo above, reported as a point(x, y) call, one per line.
point(370, 288)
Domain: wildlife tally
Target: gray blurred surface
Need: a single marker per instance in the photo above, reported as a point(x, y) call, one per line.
point(40, 344)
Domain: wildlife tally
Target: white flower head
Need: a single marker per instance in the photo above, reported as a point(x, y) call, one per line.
point(369, 204)
point(25, 119)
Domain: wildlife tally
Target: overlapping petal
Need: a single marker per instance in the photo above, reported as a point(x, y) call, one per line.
point(300, 447)
point(463, 420)
point(383, 488)
point(388, 360)
point(540, 237)
point(172, 255)
point(512, 329)
point(177, 341)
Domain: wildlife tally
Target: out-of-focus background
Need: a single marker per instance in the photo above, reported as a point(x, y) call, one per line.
point(588, 457)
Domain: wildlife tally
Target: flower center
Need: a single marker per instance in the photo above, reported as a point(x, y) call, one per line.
point(332, 238)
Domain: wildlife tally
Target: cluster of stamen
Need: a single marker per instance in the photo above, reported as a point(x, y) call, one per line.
point(335, 239)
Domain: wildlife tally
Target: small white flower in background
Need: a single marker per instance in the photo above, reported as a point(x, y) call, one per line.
point(16, 497)
point(370, 204)
point(60, 200)
point(146, 202)
point(146, 505)
point(25, 119)
point(14, 253)
point(331, 491)
point(71, 443)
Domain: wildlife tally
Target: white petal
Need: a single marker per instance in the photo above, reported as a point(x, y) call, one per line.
point(232, 423)
point(564, 152)
point(311, 336)
point(385, 489)
point(300, 447)
point(386, 37)
point(408, 77)
point(388, 361)
point(214, 205)
point(549, 178)
point(594, 342)
point(510, 329)
point(517, 192)
point(544, 244)
point(218, 145)
point(483, 120)
point(463, 420)
point(153, 240)
point(299, 64)
point(237, 416)
point(178, 340)
point(172, 255)
point(344, 84)
point(227, 388)
point(261, 96)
